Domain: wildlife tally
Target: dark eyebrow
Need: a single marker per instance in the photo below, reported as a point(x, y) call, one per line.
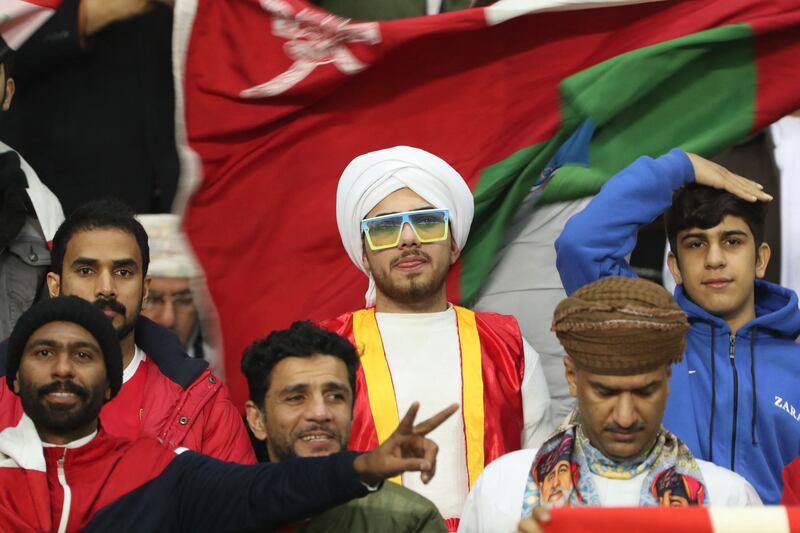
point(612, 390)
point(83, 344)
point(732, 232)
point(85, 261)
point(406, 211)
point(50, 343)
point(127, 262)
point(335, 385)
point(695, 235)
point(297, 387)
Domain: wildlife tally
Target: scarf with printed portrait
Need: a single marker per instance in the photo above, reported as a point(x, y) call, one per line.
point(560, 475)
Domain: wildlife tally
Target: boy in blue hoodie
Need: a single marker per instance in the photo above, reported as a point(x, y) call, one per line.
point(734, 397)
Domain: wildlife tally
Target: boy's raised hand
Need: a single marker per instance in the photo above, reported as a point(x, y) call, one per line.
point(713, 175)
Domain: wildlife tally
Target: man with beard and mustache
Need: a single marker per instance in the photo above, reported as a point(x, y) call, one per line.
point(101, 254)
point(622, 336)
point(302, 383)
point(404, 217)
point(62, 471)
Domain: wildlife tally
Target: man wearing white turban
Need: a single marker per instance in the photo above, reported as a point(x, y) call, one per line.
point(404, 216)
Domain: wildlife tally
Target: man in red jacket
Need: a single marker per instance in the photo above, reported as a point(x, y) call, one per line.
point(62, 472)
point(101, 254)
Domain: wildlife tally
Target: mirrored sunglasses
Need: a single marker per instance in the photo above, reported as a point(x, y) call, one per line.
point(429, 225)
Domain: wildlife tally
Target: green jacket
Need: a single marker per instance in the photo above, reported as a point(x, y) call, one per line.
point(392, 508)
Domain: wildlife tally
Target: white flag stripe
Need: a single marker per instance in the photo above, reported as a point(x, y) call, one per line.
point(748, 519)
point(507, 9)
point(19, 19)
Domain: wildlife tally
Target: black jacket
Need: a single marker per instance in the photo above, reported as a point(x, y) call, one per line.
point(98, 120)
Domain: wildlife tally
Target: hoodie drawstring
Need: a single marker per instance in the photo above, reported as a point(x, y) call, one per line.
point(713, 399)
point(753, 380)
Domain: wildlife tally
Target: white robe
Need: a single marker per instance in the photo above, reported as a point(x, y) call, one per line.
point(424, 360)
point(495, 503)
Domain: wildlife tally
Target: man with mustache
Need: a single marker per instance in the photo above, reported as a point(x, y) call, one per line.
point(622, 336)
point(302, 383)
point(61, 471)
point(404, 217)
point(101, 254)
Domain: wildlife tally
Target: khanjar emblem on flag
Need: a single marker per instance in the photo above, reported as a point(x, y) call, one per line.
point(314, 39)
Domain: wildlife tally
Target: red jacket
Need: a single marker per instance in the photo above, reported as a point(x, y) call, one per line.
point(184, 404)
point(107, 483)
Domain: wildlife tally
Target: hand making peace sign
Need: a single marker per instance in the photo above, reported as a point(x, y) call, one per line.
point(406, 450)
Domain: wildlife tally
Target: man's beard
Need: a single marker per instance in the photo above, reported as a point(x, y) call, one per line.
point(57, 419)
point(284, 448)
point(414, 291)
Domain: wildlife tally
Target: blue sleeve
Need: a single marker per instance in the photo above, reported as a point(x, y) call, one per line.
point(596, 241)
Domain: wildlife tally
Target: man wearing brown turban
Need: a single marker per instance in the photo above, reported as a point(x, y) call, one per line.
point(621, 336)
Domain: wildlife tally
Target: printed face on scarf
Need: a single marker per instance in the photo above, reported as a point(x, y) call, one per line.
point(308, 408)
point(717, 267)
point(411, 272)
point(104, 266)
point(557, 485)
point(62, 381)
point(621, 415)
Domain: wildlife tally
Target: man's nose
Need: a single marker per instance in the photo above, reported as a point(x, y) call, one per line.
point(715, 257)
point(317, 410)
point(407, 236)
point(105, 285)
point(167, 316)
point(624, 414)
point(63, 367)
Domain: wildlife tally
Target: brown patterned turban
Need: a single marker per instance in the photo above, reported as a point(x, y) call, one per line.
point(621, 326)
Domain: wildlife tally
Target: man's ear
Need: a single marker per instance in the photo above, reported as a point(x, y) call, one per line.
point(16, 383)
point(107, 394)
point(672, 263)
point(364, 261)
point(11, 87)
point(255, 419)
point(145, 288)
point(763, 254)
point(571, 373)
point(455, 253)
point(53, 284)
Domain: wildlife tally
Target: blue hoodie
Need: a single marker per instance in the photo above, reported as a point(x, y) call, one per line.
point(755, 385)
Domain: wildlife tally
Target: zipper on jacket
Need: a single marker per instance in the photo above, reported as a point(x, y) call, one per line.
point(735, 399)
point(65, 507)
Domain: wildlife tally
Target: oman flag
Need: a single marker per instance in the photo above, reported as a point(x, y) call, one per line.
point(275, 98)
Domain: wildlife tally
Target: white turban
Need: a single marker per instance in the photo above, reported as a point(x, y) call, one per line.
point(169, 253)
point(371, 177)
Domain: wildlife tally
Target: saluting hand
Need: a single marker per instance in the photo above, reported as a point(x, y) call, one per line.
point(713, 175)
point(406, 450)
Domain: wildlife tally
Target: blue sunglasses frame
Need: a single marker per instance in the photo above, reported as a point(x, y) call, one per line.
point(406, 218)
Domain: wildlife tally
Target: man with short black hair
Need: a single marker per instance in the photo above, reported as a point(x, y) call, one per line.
point(734, 398)
point(302, 384)
point(62, 471)
point(101, 254)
